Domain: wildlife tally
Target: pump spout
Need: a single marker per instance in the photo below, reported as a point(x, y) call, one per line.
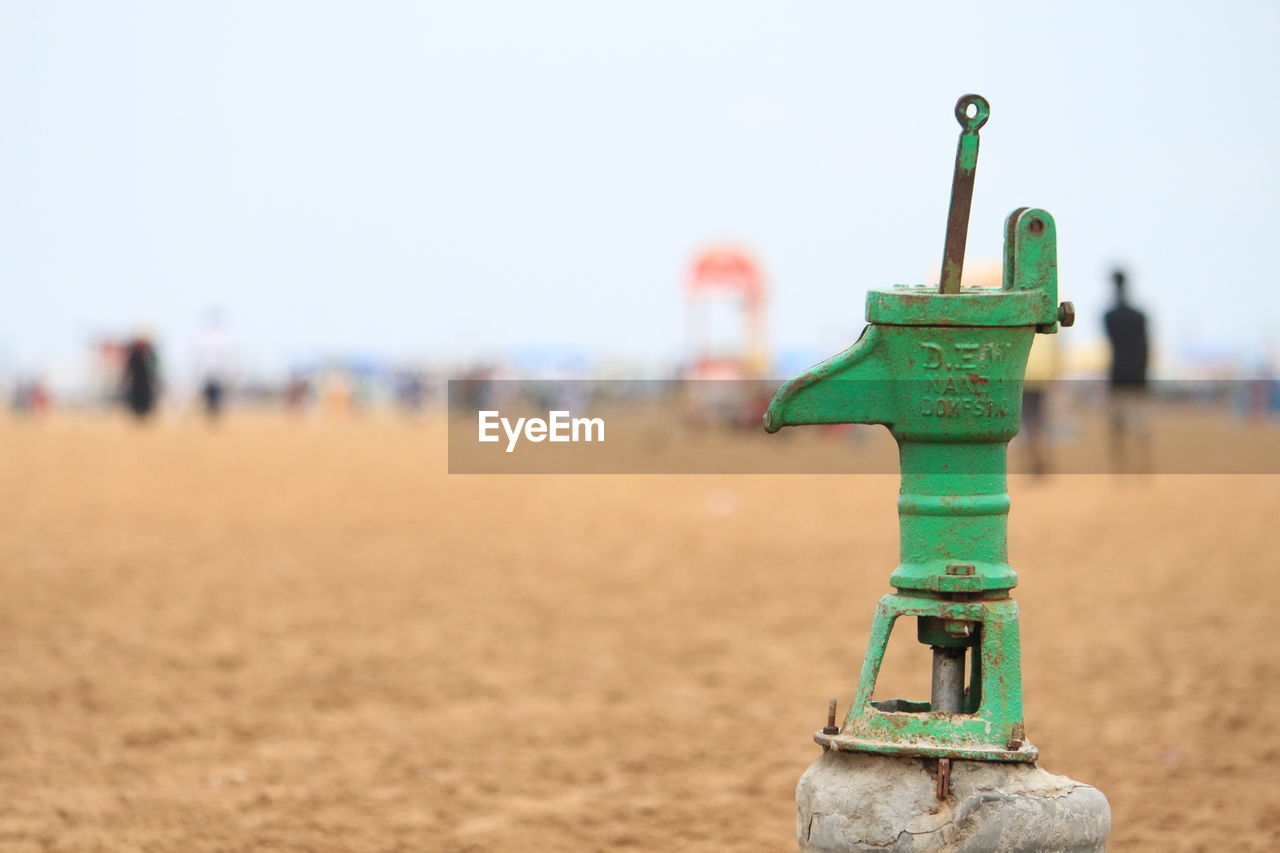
point(851, 387)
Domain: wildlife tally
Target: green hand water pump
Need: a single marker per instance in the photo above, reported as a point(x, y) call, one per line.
point(942, 368)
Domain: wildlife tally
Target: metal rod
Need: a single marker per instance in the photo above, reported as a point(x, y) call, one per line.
point(831, 728)
point(962, 189)
point(947, 692)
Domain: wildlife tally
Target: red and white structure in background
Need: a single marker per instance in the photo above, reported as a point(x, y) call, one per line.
point(724, 310)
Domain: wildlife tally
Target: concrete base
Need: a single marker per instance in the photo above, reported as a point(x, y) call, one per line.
point(849, 801)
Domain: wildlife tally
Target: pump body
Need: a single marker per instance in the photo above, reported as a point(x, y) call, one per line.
point(943, 371)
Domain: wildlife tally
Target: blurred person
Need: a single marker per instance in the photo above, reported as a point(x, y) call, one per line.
point(1259, 396)
point(476, 389)
point(141, 376)
point(411, 391)
point(297, 394)
point(30, 397)
point(1043, 367)
point(213, 361)
point(1128, 392)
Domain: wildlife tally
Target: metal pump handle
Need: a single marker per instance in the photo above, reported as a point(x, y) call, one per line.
point(962, 188)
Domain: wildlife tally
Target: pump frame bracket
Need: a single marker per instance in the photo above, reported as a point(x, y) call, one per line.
point(992, 720)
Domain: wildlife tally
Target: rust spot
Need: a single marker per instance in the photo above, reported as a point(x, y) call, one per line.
point(977, 379)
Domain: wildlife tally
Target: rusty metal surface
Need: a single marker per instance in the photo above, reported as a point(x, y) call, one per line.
point(831, 728)
point(1067, 314)
point(946, 691)
point(962, 188)
point(944, 779)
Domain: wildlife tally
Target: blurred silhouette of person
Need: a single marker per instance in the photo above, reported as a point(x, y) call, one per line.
point(297, 394)
point(1127, 382)
point(1043, 367)
point(141, 378)
point(30, 397)
point(213, 358)
point(411, 391)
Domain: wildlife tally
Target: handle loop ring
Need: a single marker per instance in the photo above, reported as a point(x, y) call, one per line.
point(972, 122)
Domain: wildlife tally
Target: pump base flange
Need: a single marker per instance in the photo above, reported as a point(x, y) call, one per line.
point(1026, 753)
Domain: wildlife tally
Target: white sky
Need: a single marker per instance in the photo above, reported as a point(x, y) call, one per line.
point(459, 178)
